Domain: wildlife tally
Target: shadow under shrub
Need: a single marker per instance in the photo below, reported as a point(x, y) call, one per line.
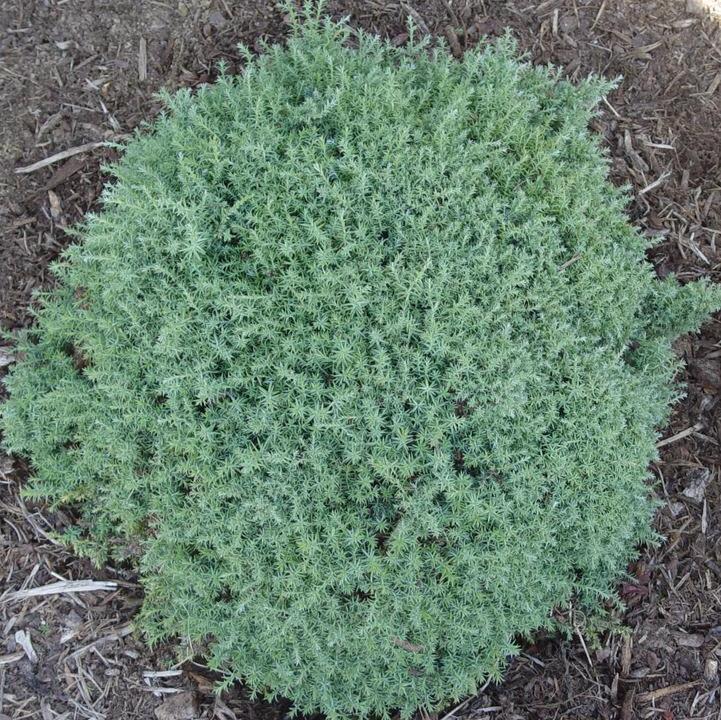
point(364, 355)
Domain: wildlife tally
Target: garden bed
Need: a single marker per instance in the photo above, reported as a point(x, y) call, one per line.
point(74, 75)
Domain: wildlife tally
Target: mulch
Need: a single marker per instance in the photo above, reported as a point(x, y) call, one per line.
point(74, 73)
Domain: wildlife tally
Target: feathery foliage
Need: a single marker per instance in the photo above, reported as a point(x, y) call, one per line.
point(364, 357)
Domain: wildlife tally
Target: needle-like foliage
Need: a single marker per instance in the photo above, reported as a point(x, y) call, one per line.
point(364, 359)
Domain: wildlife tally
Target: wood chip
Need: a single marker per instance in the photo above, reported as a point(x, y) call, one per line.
point(23, 640)
point(680, 436)
point(58, 588)
point(6, 356)
point(65, 171)
point(204, 684)
point(599, 15)
point(408, 646)
point(666, 691)
point(162, 673)
point(643, 52)
point(626, 655)
point(693, 640)
point(545, 7)
point(6, 466)
point(142, 59)
point(56, 209)
point(52, 122)
point(452, 38)
point(611, 108)
point(11, 658)
point(583, 645)
point(222, 711)
point(64, 155)
point(568, 263)
point(115, 636)
point(627, 706)
point(655, 183)
point(417, 19)
point(182, 706)
point(697, 482)
point(458, 707)
point(714, 84)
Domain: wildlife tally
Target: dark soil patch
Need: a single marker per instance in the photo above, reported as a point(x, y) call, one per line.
point(72, 72)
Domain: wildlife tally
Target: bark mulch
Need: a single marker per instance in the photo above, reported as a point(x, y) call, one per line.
point(78, 73)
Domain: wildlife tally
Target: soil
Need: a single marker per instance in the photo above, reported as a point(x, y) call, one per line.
point(74, 72)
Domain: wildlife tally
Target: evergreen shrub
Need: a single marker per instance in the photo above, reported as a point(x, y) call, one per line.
point(364, 361)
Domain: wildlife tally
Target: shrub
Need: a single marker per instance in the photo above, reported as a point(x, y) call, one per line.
point(364, 357)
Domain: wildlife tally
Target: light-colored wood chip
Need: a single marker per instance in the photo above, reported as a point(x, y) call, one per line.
point(417, 19)
point(142, 59)
point(679, 436)
point(22, 638)
point(11, 658)
point(408, 646)
point(59, 588)
point(64, 155)
point(655, 183)
point(666, 691)
point(162, 673)
point(713, 87)
point(6, 356)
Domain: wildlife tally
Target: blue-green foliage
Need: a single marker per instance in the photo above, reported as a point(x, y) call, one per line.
point(365, 357)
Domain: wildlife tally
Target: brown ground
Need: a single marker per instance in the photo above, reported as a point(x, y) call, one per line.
point(70, 73)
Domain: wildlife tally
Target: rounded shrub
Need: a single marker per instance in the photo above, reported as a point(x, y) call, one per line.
point(364, 362)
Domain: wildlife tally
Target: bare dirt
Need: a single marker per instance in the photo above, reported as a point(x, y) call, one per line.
point(74, 72)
